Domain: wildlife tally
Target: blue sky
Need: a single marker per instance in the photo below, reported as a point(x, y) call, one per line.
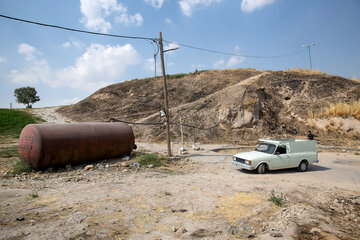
point(66, 67)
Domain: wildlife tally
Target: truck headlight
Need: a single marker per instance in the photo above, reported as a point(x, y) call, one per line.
point(248, 162)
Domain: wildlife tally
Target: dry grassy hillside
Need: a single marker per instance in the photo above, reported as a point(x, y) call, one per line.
point(223, 105)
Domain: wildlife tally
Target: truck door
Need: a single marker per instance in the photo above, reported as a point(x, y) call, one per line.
point(281, 158)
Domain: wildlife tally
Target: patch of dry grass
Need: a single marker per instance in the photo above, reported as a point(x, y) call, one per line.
point(304, 71)
point(339, 110)
point(355, 79)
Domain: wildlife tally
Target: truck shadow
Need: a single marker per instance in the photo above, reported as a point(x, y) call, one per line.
point(312, 168)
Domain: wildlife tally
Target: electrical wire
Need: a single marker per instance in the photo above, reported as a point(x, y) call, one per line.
point(77, 30)
point(143, 38)
point(232, 54)
point(135, 123)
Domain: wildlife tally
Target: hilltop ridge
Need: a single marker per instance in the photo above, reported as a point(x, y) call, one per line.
point(224, 105)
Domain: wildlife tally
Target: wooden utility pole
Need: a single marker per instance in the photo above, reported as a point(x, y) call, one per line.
point(182, 134)
point(167, 111)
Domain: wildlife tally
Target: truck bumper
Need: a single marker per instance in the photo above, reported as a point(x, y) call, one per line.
point(242, 165)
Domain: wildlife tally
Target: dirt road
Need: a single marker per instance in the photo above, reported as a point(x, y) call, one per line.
point(201, 196)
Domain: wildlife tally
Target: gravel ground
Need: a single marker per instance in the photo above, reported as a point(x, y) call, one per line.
point(198, 196)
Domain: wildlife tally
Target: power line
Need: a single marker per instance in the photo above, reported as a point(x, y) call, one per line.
point(77, 30)
point(233, 54)
point(143, 38)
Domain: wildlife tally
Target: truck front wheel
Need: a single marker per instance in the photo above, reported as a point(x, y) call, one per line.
point(261, 168)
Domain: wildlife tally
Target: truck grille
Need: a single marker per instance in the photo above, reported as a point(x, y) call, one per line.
point(240, 160)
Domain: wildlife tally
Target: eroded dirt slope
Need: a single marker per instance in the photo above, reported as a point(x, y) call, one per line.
point(225, 105)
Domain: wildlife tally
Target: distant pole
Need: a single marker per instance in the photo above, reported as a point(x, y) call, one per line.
point(155, 63)
point(167, 111)
point(10, 105)
point(308, 46)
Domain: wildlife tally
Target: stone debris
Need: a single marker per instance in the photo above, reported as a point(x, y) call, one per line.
point(134, 165)
point(201, 233)
point(183, 151)
point(182, 210)
point(196, 147)
point(275, 232)
point(315, 230)
point(355, 199)
point(89, 167)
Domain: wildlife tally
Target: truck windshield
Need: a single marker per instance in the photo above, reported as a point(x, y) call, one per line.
point(266, 148)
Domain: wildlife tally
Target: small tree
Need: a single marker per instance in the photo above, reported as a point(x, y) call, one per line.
point(26, 95)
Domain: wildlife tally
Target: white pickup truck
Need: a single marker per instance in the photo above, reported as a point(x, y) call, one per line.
point(278, 154)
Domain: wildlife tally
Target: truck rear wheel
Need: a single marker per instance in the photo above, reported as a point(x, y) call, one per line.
point(303, 166)
point(261, 168)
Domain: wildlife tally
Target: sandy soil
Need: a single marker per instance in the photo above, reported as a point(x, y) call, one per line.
point(50, 115)
point(200, 196)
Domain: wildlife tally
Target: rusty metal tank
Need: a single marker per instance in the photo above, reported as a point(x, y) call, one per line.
point(57, 145)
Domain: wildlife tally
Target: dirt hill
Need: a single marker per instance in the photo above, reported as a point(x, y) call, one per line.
point(223, 105)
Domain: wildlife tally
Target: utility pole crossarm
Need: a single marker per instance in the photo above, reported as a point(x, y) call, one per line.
point(308, 46)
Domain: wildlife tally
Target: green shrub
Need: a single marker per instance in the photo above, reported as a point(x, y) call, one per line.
point(145, 159)
point(278, 201)
point(21, 167)
point(34, 195)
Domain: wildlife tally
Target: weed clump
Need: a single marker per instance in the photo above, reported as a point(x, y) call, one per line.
point(34, 195)
point(145, 159)
point(278, 201)
point(21, 167)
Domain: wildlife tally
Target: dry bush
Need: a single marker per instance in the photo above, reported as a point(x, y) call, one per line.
point(355, 79)
point(247, 104)
point(305, 71)
point(339, 110)
point(310, 114)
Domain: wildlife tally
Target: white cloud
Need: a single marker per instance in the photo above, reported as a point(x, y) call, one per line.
point(219, 63)
point(96, 13)
point(236, 48)
point(168, 20)
point(27, 50)
point(171, 46)
point(37, 70)
point(70, 101)
point(124, 18)
point(3, 60)
point(149, 64)
point(66, 45)
point(233, 61)
point(99, 66)
point(73, 43)
point(188, 6)
point(155, 3)
point(198, 66)
point(251, 5)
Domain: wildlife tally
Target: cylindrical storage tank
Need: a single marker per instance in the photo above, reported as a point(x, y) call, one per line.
point(57, 145)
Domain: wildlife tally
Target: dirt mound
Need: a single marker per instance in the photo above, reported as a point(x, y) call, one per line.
point(222, 105)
